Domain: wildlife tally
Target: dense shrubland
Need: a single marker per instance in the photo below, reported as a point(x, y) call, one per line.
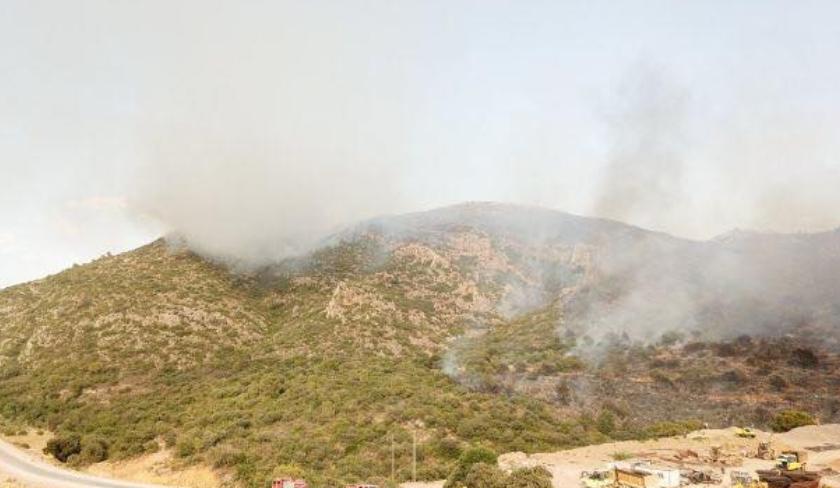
point(315, 365)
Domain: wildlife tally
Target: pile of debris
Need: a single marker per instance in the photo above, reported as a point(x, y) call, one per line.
point(777, 478)
point(698, 477)
point(716, 456)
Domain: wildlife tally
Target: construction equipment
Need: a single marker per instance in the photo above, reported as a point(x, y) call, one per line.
point(601, 478)
point(792, 460)
point(743, 479)
point(745, 432)
point(765, 452)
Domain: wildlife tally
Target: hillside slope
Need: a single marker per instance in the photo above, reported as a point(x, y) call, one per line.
point(315, 365)
point(509, 326)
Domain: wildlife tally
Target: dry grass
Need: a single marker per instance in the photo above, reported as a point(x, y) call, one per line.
point(158, 468)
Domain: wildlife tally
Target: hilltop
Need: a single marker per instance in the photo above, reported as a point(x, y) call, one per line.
point(517, 328)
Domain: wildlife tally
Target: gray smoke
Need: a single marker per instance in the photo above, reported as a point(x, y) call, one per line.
point(251, 128)
point(255, 146)
point(642, 179)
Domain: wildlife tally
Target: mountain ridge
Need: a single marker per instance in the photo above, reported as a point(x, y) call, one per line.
point(459, 324)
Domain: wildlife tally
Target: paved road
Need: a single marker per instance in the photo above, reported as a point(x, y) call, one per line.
point(25, 469)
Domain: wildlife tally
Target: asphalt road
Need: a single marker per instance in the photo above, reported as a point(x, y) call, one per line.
point(21, 466)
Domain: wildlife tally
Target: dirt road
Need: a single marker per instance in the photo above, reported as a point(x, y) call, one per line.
point(31, 472)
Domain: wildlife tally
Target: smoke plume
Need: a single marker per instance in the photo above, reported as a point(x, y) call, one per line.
point(257, 145)
point(642, 178)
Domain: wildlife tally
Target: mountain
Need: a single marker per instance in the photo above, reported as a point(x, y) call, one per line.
point(516, 328)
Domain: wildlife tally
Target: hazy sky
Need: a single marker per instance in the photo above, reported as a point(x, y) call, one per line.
point(251, 126)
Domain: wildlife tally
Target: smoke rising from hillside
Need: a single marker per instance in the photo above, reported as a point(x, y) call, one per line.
point(642, 178)
point(253, 128)
point(250, 202)
point(251, 184)
point(256, 157)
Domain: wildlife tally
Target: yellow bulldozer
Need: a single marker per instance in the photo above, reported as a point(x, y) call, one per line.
point(792, 460)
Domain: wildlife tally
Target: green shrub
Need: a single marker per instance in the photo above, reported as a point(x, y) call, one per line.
point(226, 457)
point(483, 475)
point(791, 419)
point(94, 449)
point(536, 477)
point(606, 422)
point(447, 448)
point(185, 447)
point(468, 458)
point(621, 455)
point(63, 447)
point(170, 439)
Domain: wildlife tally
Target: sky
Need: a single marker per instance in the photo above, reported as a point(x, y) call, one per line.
point(250, 128)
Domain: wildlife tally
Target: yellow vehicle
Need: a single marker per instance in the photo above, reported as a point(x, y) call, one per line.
point(745, 432)
point(791, 461)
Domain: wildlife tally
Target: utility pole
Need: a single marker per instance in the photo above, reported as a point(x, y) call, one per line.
point(414, 455)
point(392, 457)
